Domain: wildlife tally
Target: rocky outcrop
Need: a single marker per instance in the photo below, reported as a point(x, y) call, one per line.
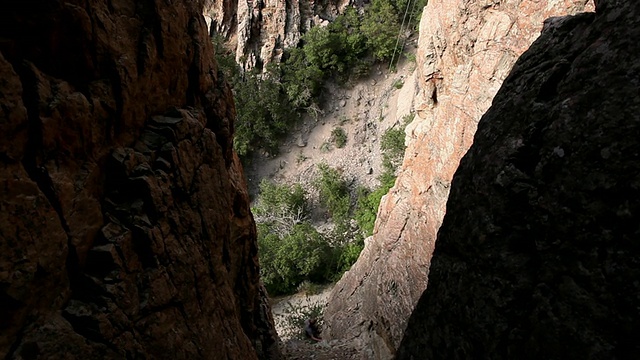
point(466, 49)
point(125, 229)
point(537, 257)
point(260, 30)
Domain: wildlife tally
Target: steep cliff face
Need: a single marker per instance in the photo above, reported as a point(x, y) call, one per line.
point(262, 29)
point(538, 254)
point(124, 226)
point(466, 49)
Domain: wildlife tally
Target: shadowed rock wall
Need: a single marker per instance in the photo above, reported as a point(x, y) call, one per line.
point(465, 50)
point(538, 255)
point(124, 226)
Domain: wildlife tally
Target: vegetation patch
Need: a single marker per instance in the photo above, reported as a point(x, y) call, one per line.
point(334, 192)
point(293, 254)
point(339, 137)
point(268, 103)
point(368, 201)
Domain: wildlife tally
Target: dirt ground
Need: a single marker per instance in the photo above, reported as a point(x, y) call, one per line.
point(365, 110)
point(323, 350)
point(297, 349)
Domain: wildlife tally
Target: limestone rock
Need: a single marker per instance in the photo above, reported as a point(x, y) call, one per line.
point(537, 257)
point(466, 49)
point(125, 229)
point(262, 29)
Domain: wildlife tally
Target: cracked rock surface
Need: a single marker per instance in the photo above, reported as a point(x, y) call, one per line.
point(465, 51)
point(125, 229)
point(538, 253)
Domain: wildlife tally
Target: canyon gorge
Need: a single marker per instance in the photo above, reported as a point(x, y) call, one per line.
point(125, 222)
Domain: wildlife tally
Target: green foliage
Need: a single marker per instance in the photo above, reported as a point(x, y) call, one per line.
point(381, 28)
point(291, 250)
point(334, 193)
point(287, 261)
point(338, 46)
point(392, 145)
point(339, 137)
point(348, 255)
point(267, 104)
point(411, 57)
point(264, 113)
point(224, 57)
point(368, 203)
point(301, 79)
point(401, 7)
point(281, 200)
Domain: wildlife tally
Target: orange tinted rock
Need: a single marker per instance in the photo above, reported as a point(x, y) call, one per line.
point(465, 51)
point(122, 233)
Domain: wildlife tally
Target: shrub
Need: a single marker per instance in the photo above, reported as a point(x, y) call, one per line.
point(338, 46)
point(403, 6)
point(339, 137)
point(281, 199)
point(224, 57)
point(287, 261)
point(381, 28)
point(392, 142)
point(301, 79)
point(392, 145)
point(349, 255)
point(264, 113)
point(263, 109)
point(334, 193)
point(280, 207)
point(368, 203)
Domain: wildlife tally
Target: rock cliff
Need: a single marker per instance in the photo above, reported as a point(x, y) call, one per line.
point(466, 49)
point(125, 229)
point(538, 254)
point(260, 30)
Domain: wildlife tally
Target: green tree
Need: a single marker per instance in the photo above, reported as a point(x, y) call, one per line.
point(263, 110)
point(301, 79)
point(281, 200)
point(381, 28)
point(334, 193)
point(289, 260)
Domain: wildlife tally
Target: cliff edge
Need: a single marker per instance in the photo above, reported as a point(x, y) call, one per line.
point(538, 254)
point(465, 50)
point(125, 229)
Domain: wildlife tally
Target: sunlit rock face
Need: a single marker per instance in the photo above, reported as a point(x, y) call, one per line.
point(466, 49)
point(538, 254)
point(125, 229)
point(261, 30)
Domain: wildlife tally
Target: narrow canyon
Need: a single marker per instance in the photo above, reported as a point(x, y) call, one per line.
point(511, 232)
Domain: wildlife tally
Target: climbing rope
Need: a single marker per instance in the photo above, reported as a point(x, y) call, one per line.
point(413, 9)
point(406, 10)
